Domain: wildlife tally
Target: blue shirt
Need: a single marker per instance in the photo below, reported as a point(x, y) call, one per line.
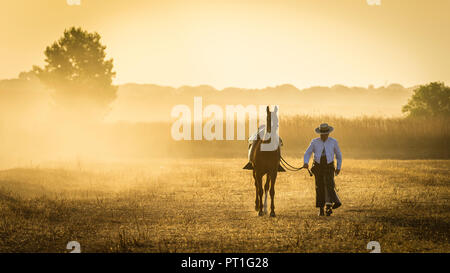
point(331, 149)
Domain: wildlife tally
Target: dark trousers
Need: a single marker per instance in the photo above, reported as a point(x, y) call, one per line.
point(325, 187)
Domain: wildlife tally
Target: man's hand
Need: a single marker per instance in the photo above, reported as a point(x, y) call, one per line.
point(305, 165)
point(336, 172)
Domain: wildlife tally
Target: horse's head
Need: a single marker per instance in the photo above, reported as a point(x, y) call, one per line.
point(271, 122)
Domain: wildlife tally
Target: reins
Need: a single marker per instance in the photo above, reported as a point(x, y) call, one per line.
point(283, 162)
point(291, 168)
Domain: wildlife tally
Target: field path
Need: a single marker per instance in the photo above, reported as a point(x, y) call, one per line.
point(207, 205)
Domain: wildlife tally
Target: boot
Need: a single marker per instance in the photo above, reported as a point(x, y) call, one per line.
point(249, 166)
point(321, 212)
point(251, 151)
point(329, 210)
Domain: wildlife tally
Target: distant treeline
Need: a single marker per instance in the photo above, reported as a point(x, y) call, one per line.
point(147, 102)
point(26, 97)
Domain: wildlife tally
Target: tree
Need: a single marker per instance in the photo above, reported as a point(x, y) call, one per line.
point(431, 100)
point(78, 73)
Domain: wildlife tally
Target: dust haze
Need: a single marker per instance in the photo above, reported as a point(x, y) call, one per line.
point(87, 155)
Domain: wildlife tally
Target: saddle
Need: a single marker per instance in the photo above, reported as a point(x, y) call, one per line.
point(249, 165)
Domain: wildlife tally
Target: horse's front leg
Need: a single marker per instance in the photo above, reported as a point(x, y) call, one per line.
point(273, 178)
point(266, 192)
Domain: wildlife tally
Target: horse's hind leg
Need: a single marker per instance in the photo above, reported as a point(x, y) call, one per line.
point(273, 178)
point(257, 192)
point(256, 199)
point(266, 191)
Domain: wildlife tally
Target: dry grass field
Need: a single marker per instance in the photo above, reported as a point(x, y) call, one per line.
point(207, 205)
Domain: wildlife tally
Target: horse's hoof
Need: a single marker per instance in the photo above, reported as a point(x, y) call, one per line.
point(256, 208)
point(272, 214)
point(265, 212)
point(261, 213)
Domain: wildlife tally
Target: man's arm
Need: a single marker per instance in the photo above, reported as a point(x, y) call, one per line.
point(307, 155)
point(338, 153)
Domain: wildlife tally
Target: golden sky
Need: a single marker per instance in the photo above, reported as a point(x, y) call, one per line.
point(249, 44)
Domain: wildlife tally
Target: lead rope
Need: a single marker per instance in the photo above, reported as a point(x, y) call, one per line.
point(291, 168)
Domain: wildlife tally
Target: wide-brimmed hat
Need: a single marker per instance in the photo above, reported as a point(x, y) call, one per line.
point(324, 128)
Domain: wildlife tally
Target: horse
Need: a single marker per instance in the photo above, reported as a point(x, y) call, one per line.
point(266, 162)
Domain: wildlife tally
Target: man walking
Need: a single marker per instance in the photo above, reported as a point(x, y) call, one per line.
point(324, 149)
